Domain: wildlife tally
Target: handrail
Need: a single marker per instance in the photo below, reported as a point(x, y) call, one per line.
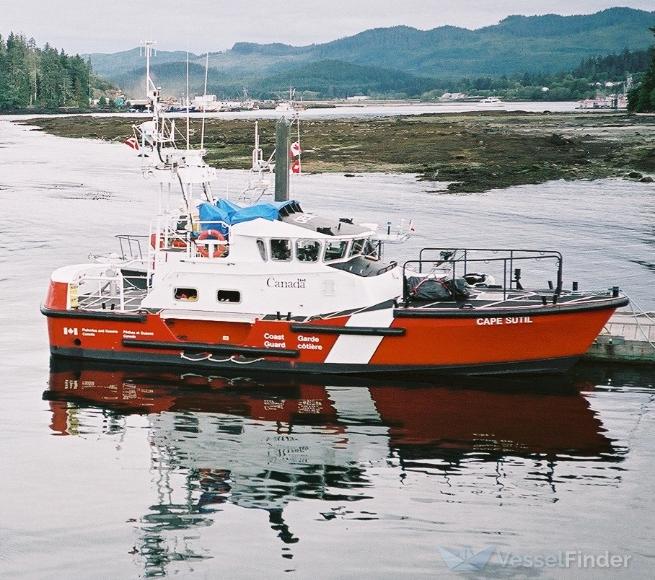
point(132, 241)
point(171, 238)
point(455, 256)
point(109, 290)
point(390, 266)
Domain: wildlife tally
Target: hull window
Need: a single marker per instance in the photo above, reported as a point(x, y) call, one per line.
point(228, 296)
point(186, 294)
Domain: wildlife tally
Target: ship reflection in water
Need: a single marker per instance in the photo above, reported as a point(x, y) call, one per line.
point(261, 443)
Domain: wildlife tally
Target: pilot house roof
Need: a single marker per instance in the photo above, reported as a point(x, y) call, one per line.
point(268, 218)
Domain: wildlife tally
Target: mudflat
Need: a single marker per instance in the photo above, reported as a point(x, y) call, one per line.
point(470, 151)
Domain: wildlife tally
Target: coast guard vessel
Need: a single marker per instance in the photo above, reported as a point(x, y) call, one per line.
point(273, 287)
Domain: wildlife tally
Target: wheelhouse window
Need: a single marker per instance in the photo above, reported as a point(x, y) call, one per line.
point(371, 250)
point(228, 296)
point(308, 250)
point(281, 250)
point(186, 294)
point(357, 247)
point(334, 250)
point(261, 246)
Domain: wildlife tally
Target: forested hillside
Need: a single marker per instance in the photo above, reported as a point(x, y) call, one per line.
point(522, 58)
point(642, 98)
point(44, 78)
point(614, 65)
point(337, 79)
point(541, 45)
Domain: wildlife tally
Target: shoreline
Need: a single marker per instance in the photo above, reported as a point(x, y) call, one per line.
point(473, 151)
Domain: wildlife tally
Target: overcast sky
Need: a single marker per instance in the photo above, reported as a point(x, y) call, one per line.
point(211, 25)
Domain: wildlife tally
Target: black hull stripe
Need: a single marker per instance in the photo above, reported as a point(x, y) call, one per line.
point(359, 330)
point(548, 366)
point(197, 347)
point(610, 304)
point(410, 312)
point(95, 315)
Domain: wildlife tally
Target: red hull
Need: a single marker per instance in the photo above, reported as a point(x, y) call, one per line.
point(455, 341)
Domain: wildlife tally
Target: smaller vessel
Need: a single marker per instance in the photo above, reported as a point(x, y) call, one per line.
point(491, 101)
point(290, 105)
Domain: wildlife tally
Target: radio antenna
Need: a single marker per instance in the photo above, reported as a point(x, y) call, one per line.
point(204, 104)
point(187, 100)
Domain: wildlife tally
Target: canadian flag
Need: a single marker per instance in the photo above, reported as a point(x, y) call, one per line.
point(132, 142)
point(295, 149)
point(295, 166)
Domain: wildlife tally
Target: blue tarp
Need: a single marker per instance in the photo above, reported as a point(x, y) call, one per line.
point(214, 217)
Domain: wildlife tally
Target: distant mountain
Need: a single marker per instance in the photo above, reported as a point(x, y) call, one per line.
point(334, 78)
point(112, 65)
point(328, 78)
point(535, 44)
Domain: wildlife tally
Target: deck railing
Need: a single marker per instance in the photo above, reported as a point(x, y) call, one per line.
point(189, 242)
point(458, 263)
point(130, 245)
point(110, 290)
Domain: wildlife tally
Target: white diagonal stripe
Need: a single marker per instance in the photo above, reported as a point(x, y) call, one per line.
point(357, 349)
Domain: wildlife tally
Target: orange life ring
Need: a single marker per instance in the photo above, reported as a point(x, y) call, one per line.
point(211, 235)
point(174, 242)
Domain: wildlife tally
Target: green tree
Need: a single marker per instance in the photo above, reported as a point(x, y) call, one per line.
point(51, 75)
point(17, 87)
point(641, 99)
point(3, 74)
point(46, 78)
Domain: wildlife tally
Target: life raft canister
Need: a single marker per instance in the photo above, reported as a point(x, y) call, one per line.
point(211, 235)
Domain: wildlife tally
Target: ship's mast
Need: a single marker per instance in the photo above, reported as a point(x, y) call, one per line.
point(152, 93)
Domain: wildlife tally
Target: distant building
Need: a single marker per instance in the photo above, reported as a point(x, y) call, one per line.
point(452, 96)
point(138, 104)
point(207, 103)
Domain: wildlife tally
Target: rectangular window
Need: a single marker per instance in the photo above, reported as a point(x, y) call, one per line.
point(228, 296)
point(186, 294)
point(281, 250)
point(308, 250)
point(356, 248)
point(371, 250)
point(334, 250)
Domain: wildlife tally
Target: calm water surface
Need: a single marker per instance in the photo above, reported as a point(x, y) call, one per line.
point(124, 472)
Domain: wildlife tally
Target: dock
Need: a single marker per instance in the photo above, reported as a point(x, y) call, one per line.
point(627, 338)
